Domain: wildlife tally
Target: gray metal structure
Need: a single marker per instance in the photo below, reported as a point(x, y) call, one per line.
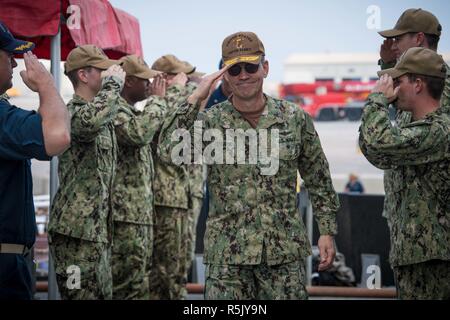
point(55, 60)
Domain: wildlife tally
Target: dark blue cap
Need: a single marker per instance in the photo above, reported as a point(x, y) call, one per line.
point(10, 44)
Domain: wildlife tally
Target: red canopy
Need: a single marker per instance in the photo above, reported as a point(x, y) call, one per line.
point(99, 23)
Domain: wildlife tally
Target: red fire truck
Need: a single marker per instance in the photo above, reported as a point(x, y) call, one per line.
point(329, 100)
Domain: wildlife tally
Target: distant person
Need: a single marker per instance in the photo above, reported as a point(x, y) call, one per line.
point(354, 185)
point(24, 135)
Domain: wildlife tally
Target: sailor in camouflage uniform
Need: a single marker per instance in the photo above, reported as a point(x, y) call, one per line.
point(414, 28)
point(416, 157)
point(133, 195)
point(255, 242)
point(80, 227)
point(197, 177)
point(168, 274)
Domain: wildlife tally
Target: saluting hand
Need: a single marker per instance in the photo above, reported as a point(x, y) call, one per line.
point(206, 86)
point(158, 86)
point(181, 79)
point(35, 76)
point(116, 71)
point(385, 85)
point(386, 53)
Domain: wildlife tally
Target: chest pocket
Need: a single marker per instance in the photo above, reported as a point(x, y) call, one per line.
point(104, 152)
point(104, 142)
point(289, 147)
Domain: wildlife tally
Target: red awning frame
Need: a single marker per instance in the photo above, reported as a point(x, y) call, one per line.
point(81, 21)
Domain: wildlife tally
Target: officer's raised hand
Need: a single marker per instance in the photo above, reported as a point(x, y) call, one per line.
point(206, 86)
point(35, 76)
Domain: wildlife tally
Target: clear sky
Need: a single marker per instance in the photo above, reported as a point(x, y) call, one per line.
point(193, 30)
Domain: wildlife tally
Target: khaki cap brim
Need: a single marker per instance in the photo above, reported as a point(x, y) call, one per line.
point(105, 64)
point(392, 33)
point(186, 70)
point(196, 74)
point(149, 74)
point(394, 73)
point(247, 59)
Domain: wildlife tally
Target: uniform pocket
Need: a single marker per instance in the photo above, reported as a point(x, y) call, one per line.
point(289, 147)
point(104, 143)
point(104, 153)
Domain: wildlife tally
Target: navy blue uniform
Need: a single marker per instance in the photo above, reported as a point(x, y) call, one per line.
point(216, 97)
point(21, 139)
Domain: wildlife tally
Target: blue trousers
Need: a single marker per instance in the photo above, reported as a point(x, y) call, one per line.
point(15, 277)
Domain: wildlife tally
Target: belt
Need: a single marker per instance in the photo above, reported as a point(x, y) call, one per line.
point(14, 248)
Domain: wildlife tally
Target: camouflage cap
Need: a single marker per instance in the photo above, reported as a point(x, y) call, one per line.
point(87, 56)
point(418, 60)
point(135, 66)
point(242, 47)
point(414, 20)
point(171, 64)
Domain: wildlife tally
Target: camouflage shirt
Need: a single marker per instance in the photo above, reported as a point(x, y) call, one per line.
point(416, 159)
point(172, 182)
point(445, 98)
point(250, 211)
point(82, 204)
point(133, 195)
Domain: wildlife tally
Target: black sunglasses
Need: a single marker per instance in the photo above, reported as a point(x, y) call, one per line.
point(237, 68)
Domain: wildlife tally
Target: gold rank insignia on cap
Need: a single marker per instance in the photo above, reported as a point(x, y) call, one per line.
point(242, 47)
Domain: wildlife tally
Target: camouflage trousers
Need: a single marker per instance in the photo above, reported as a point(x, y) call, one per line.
point(167, 279)
point(189, 229)
point(261, 282)
point(83, 268)
point(428, 280)
point(131, 253)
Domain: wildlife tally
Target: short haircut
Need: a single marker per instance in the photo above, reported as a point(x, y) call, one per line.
point(263, 59)
point(435, 85)
point(73, 75)
point(432, 40)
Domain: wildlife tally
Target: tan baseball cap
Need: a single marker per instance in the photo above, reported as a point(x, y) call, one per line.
point(135, 66)
point(418, 60)
point(87, 56)
point(194, 72)
point(242, 47)
point(414, 20)
point(171, 64)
